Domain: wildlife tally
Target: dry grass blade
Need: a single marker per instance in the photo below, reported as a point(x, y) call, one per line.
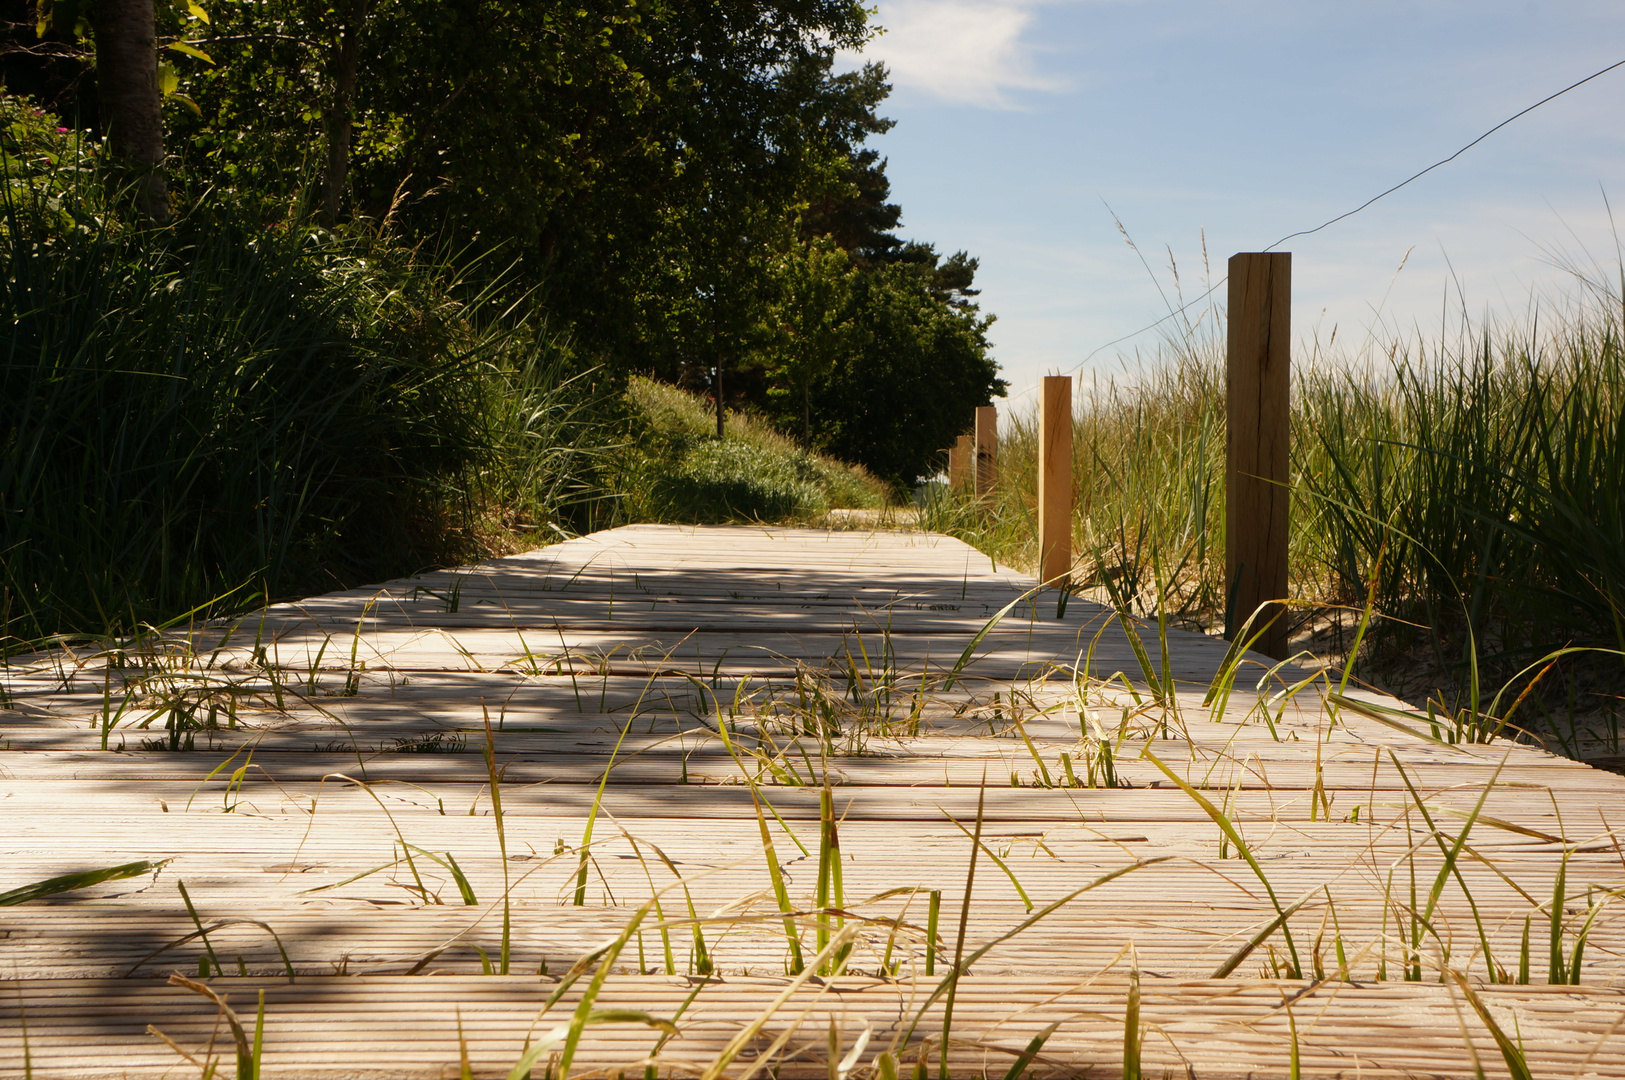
point(843, 937)
point(247, 1066)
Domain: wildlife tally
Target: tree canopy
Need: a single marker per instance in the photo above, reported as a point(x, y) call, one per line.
point(680, 184)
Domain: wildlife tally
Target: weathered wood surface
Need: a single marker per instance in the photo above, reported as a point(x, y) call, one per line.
point(682, 661)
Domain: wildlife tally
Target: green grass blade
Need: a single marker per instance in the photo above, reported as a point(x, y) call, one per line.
point(1037, 916)
point(1000, 863)
point(1229, 830)
point(1511, 1053)
point(987, 628)
point(1025, 1058)
point(1252, 943)
point(82, 880)
point(1131, 1028)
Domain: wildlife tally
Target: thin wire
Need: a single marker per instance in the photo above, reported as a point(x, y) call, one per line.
point(1305, 232)
point(1118, 341)
point(1452, 157)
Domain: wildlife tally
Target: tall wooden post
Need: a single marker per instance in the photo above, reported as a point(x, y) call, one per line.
point(987, 449)
point(1258, 410)
point(959, 457)
point(1055, 481)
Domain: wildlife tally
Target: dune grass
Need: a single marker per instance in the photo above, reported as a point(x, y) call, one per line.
point(675, 469)
point(1472, 489)
point(230, 409)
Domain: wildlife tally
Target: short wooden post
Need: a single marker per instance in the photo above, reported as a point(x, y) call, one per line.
point(987, 449)
point(1258, 411)
point(1055, 481)
point(959, 457)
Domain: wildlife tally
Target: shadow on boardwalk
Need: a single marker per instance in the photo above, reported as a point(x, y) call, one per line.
point(750, 747)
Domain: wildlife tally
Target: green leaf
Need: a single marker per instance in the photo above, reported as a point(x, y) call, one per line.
point(190, 50)
point(69, 882)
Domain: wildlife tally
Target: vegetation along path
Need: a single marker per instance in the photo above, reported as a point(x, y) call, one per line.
point(763, 801)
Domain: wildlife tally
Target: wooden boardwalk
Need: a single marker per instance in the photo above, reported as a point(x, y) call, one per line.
point(332, 825)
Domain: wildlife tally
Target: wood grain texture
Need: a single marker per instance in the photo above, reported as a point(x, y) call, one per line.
point(1259, 415)
point(960, 456)
point(987, 449)
point(1055, 480)
point(673, 667)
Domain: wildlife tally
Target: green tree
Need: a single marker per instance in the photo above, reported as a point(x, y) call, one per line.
point(636, 156)
point(851, 208)
point(812, 321)
point(130, 81)
point(918, 366)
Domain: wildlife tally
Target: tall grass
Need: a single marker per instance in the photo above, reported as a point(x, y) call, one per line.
point(1473, 489)
point(1490, 476)
point(222, 409)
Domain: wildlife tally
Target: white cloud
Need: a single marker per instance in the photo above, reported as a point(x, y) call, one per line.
point(965, 51)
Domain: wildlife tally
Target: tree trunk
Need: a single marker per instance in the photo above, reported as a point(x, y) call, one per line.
point(341, 116)
point(718, 383)
point(127, 93)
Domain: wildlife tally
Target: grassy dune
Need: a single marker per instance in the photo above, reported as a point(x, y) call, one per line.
point(1472, 491)
point(675, 469)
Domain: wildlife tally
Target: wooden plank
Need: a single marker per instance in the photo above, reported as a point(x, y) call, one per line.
point(402, 1027)
point(309, 842)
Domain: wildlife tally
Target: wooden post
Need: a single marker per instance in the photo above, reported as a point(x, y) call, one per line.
point(987, 449)
point(959, 464)
point(1258, 411)
point(1055, 481)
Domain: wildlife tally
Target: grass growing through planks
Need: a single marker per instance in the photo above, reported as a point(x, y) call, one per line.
point(810, 926)
point(192, 684)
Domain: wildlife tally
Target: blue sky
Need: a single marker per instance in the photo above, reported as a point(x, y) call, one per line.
point(1021, 121)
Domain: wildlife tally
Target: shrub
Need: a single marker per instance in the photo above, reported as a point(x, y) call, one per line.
point(679, 471)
